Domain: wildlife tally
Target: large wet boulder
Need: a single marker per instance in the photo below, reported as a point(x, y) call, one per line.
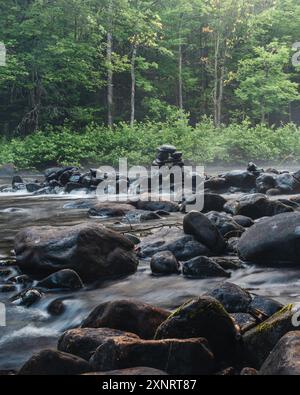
point(127, 315)
point(83, 342)
point(232, 297)
point(183, 246)
point(66, 279)
point(284, 359)
point(259, 341)
point(244, 180)
point(203, 317)
point(204, 231)
point(180, 357)
point(164, 263)
point(256, 206)
point(272, 241)
point(203, 267)
point(54, 363)
point(90, 249)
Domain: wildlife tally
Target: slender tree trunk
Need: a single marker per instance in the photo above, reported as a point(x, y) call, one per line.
point(133, 85)
point(110, 86)
point(216, 81)
point(180, 80)
point(220, 97)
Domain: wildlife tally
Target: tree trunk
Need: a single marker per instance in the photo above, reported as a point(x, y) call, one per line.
point(216, 79)
point(220, 97)
point(180, 61)
point(133, 85)
point(110, 87)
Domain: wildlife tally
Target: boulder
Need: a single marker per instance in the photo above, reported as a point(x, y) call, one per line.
point(110, 210)
point(90, 249)
point(203, 317)
point(178, 357)
point(216, 184)
point(232, 297)
point(256, 206)
point(264, 305)
point(244, 180)
point(54, 363)
point(164, 263)
point(287, 183)
point(83, 342)
point(225, 223)
point(284, 359)
point(203, 267)
point(55, 173)
point(183, 246)
point(65, 279)
point(204, 231)
point(259, 341)
point(127, 315)
point(56, 307)
point(213, 202)
point(265, 182)
point(164, 205)
point(32, 187)
point(245, 222)
point(272, 241)
point(28, 298)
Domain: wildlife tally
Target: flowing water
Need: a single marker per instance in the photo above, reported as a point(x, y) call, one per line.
point(31, 329)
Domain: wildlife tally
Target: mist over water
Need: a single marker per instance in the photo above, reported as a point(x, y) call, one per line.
point(33, 329)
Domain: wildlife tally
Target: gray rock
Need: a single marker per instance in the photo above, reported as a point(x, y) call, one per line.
point(272, 241)
point(183, 246)
point(203, 267)
point(284, 359)
point(164, 263)
point(204, 231)
point(89, 249)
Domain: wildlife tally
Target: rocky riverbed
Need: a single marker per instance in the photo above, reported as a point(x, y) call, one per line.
point(99, 287)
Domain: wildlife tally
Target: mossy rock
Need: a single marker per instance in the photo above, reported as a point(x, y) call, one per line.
point(259, 341)
point(203, 317)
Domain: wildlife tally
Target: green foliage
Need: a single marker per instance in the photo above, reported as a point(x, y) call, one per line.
point(220, 58)
point(202, 144)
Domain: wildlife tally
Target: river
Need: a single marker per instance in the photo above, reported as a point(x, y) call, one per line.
point(33, 329)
